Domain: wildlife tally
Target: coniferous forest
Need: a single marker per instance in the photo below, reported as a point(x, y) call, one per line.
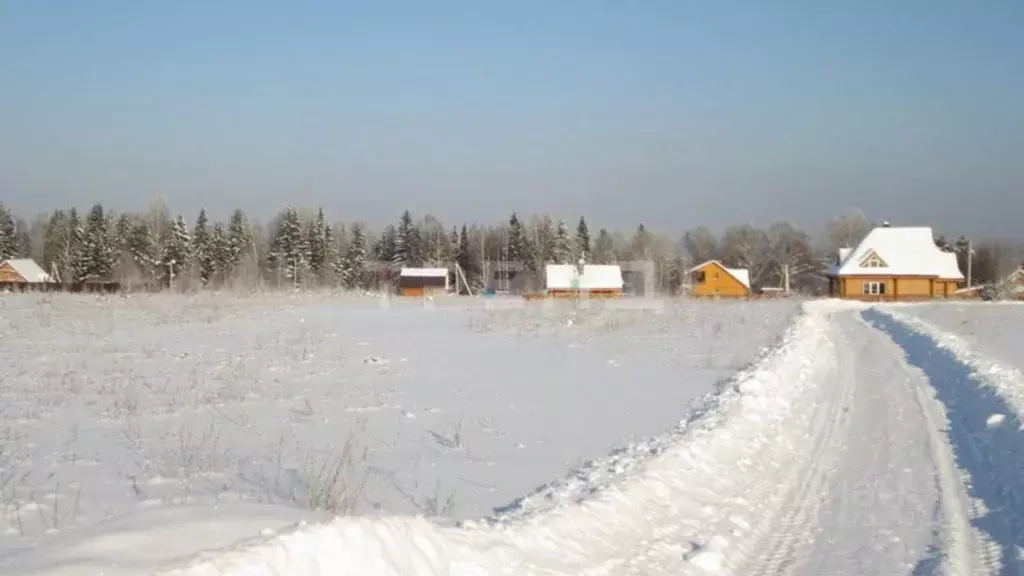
point(306, 248)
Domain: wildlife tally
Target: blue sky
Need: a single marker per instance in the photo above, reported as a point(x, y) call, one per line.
point(673, 113)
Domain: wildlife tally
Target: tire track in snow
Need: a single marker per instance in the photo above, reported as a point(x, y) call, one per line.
point(790, 529)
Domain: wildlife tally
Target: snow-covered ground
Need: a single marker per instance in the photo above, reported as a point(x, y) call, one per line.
point(453, 408)
point(863, 442)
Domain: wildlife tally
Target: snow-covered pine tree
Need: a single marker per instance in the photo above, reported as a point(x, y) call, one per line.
point(562, 251)
point(642, 244)
point(220, 253)
point(604, 248)
point(239, 240)
point(143, 252)
point(175, 257)
point(8, 234)
point(71, 258)
point(583, 238)
point(201, 249)
point(53, 239)
point(318, 239)
point(516, 248)
point(353, 272)
point(97, 256)
point(289, 253)
point(407, 243)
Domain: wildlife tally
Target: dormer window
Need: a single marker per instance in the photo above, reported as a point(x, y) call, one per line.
point(872, 260)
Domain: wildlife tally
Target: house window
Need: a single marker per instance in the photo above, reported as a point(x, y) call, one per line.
point(874, 288)
point(700, 277)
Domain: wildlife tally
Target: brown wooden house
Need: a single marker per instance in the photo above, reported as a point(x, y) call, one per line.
point(423, 281)
point(712, 279)
point(895, 263)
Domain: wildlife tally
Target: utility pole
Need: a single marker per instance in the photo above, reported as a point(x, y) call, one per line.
point(970, 258)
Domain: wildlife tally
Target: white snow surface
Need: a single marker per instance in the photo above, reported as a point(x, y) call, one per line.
point(110, 407)
point(856, 445)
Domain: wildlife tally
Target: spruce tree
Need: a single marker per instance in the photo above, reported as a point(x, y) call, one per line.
point(220, 252)
point(290, 251)
point(8, 235)
point(202, 250)
point(583, 238)
point(517, 248)
point(353, 273)
point(407, 244)
point(71, 257)
point(319, 242)
point(175, 257)
point(96, 256)
point(239, 240)
point(143, 252)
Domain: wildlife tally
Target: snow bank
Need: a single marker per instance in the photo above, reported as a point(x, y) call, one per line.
point(634, 510)
point(1006, 381)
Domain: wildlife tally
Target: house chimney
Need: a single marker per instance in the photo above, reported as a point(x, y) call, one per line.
point(885, 224)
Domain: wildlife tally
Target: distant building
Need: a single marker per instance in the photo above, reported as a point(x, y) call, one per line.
point(712, 279)
point(423, 281)
point(23, 271)
point(895, 263)
point(595, 280)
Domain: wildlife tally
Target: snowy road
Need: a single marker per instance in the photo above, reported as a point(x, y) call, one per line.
point(858, 446)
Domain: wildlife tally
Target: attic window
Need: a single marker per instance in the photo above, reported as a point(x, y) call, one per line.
point(872, 260)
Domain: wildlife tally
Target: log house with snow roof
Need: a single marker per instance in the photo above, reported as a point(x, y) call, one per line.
point(895, 264)
point(712, 279)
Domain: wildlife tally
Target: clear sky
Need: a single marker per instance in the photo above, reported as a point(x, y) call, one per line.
point(675, 113)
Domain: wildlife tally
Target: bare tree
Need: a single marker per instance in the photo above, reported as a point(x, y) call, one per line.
point(846, 231)
point(791, 253)
point(701, 245)
point(748, 247)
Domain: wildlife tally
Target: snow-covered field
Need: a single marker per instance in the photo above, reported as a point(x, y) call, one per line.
point(109, 406)
point(864, 440)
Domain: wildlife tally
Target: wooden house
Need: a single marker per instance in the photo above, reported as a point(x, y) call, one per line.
point(23, 271)
point(423, 281)
point(712, 279)
point(895, 263)
point(584, 280)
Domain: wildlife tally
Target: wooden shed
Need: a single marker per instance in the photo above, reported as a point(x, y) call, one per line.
point(712, 279)
point(423, 281)
point(895, 263)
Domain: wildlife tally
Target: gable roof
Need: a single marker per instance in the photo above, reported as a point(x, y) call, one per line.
point(28, 269)
point(594, 277)
point(741, 275)
point(906, 250)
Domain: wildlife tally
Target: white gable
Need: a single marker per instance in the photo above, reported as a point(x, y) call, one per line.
point(594, 277)
point(742, 275)
point(29, 270)
point(905, 251)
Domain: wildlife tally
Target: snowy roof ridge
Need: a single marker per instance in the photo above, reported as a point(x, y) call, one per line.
point(28, 269)
point(906, 251)
point(741, 275)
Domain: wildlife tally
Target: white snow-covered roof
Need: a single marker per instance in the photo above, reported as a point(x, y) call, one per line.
point(742, 275)
point(904, 251)
point(594, 277)
point(28, 269)
point(424, 272)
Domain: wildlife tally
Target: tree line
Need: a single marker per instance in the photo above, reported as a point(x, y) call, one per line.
point(303, 248)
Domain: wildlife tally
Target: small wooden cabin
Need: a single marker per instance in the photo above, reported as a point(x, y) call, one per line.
point(423, 281)
point(712, 279)
point(895, 263)
point(594, 281)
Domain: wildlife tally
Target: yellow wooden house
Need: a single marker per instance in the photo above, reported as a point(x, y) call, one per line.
point(712, 279)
